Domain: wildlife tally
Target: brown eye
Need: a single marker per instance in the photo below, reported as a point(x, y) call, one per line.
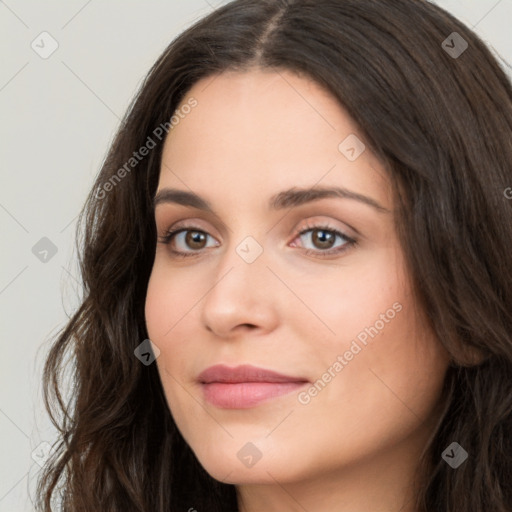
point(187, 241)
point(323, 239)
point(195, 239)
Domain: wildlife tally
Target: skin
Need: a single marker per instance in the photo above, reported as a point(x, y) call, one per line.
point(355, 445)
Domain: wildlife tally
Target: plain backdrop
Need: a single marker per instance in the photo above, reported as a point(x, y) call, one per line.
point(58, 115)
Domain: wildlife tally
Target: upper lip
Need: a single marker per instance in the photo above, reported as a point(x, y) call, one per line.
point(243, 373)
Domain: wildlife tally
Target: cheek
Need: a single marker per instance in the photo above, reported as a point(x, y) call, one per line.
point(163, 311)
point(369, 319)
point(167, 301)
point(348, 302)
point(171, 309)
point(393, 366)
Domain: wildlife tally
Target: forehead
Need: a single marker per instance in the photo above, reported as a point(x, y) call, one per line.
point(263, 130)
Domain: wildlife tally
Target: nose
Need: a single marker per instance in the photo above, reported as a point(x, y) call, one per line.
point(242, 296)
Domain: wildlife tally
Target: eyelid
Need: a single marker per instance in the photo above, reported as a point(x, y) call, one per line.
point(328, 225)
point(310, 223)
point(189, 224)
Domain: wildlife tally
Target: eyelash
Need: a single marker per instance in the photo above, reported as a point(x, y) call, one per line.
point(350, 242)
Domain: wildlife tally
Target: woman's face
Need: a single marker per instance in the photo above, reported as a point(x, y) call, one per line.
point(270, 274)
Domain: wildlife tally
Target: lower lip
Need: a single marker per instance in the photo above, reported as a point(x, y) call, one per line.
point(243, 395)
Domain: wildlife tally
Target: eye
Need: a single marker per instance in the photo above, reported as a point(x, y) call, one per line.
point(323, 238)
point(186, 236)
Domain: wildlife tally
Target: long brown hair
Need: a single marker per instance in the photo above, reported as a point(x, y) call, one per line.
point(441, 124)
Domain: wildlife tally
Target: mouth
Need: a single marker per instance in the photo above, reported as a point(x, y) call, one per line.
point(245, 386)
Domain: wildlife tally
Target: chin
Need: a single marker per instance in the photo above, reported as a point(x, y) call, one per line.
point(242, 465)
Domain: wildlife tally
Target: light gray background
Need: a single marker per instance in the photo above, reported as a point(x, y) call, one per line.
point(58, 116)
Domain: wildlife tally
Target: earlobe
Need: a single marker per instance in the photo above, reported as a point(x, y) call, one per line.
point(469, 356)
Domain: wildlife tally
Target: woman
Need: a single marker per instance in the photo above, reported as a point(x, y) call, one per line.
point(296, 260)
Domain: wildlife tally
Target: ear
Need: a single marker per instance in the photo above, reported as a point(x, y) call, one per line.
point(468, 355)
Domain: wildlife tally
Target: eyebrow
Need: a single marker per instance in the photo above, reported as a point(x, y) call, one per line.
point(286, 199)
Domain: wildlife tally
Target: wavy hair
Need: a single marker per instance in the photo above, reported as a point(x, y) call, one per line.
point(441, 125)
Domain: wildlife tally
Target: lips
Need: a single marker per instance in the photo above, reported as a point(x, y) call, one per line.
point(244, 373)
point(245, 386)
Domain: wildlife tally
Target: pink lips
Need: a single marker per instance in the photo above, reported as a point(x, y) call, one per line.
point(245, 386)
